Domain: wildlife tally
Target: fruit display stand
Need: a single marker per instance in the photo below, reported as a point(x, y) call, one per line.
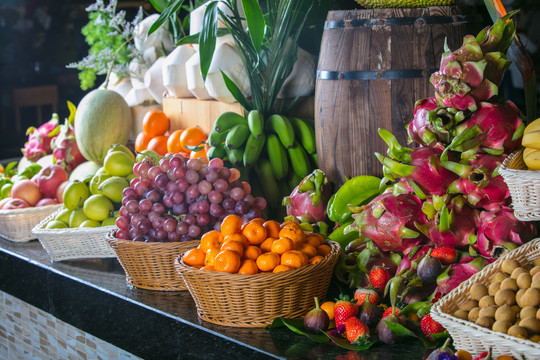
point(16, 225)
point(474, 338)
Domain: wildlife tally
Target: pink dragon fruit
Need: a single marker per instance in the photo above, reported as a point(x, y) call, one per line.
point(65, 149)
point(420, 166)
point(500, 231)
point(455, 274)
point(479, 182)
point(410, 255)
point(389, 221)
point(308, 201)
point(39, 140)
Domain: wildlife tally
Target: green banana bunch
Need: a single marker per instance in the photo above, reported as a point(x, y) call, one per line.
point(277, 155)
point(256, 123)
point(227, 120)
point(269, 185)
point(237, 136)
point(282, 127)
point(254, 146)
point(305, 134)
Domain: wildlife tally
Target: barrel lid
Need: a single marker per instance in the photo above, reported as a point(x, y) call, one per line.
point(403, 21)
point(374, 75)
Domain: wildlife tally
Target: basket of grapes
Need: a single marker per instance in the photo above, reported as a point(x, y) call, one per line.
point(174, 201)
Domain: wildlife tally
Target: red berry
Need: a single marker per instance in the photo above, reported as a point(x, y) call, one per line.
point(430, 326)
point(361, 293)
point(389, 311)
point(343, 310)
point(379, 276)
point(445, 254)
point(356, 330)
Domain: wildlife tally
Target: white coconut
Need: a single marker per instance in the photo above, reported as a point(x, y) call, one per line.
point(159, 39)
point(194, 78)
point(301, 81)
point(174, 72)
point(153, 80)
point(139, 95)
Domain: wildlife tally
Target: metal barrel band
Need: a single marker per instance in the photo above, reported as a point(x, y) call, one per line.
point(374, 75)
point(403, 21)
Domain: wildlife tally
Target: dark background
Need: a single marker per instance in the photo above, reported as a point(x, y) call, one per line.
point(38, 38)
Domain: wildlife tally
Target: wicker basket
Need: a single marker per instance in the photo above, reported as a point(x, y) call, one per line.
point(256, 300)
point(73, 243)
point(17, 224)
point(524, 186)
point(474, 338)
point(370, 4)
point(150, 265)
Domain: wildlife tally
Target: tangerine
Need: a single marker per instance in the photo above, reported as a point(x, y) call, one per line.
point(313, 240)
point(315, 259)
point(194, 257)
point(191, 137)
point(252, 252)
point(268, 261)
point(158, 144)
point(141, 141)
point(281, 245)
point(272, 228)
point(324, 250)
point(199, 154)
point(254, 232)
point(173, 143)
point(266, 245)
point(236, 237)
point(231, 224)
point(281, 268)
point(288, 222)
point(293, 232)
point(211, 256)
point(227, 261)
point(248, 266)
point(328, 307)
point(294, 258)
point(208, 267)
point(318, 236)
point(155, 122)
point(211, 239)
point(234, 246)
point(310, 250)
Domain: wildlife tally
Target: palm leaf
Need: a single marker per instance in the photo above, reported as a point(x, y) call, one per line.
point(168, 12)
point(207, 37)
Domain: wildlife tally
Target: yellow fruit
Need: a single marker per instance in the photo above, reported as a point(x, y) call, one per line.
point(533, 126)
point(531, 157)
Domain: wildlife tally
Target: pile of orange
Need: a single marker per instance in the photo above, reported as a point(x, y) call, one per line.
point(190, 142)
point(256, 246)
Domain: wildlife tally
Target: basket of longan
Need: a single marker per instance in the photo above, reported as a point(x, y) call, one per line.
point(523, 184)
point(498, 307)
point(246, 275)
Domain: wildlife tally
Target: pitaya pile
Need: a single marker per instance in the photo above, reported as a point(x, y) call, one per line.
point(308, 201)
point(65, 150)
point(39, 140)
point(447, 192)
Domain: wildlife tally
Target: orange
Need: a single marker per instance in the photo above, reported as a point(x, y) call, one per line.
point(234, 246)
point(328, 307)
point(211, 239)
point(281, 268)
point(236, 237)
point(266, 245)
point(194, 257)
point(192, 136)
point(323, 250)
point(231, 224)
point(141, 141)
point(227, 261)
point(197, 154)
point(211, 256)
point(288, 222)
point(158, 144)
point(318, 236)
point(294, 258)
point(252, 252)
point(155, 122)
point(272, 228)
point(173, 143)
point(208, 267)
point(257, 220)
point(310, 250)
point(463, 355)
point(505, 357)
point(281, 245)
point(313, 240)
point(254, 232)
point(315, 259)
point(293, 232)
point(268, 261)
point(248, 266)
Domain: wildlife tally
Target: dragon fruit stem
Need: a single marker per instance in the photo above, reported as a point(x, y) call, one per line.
point(395, 167)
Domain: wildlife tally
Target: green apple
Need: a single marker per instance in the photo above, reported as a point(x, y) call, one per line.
point(90, 223)
point(75, 194)
point(100, 171)
point(77, 217)
point(55, 224)
point(5, 191)
point(118, 163)
point(96, 182)
point(64, 215)
point(124, 148)
point(98, 207)
point(113, 188)
point(109, 221)
point(130, 177)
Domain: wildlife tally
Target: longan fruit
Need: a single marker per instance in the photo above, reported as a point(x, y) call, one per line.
point(478, 291)
point(536, 262)
point(501, 326)
point(499, 277)
point(509, 284)
point(524, 281)
point(536, 276)
point(519, 295)
point(486, 301)
point(509, 265)
point(536, 282)
point(531, 324)
point(505, 297)
point(518, 271)
point(505, 312)
point(488, 311)
point(485, 321)
point(528, 311)
point(516, 309)
point(538, 314)
point(516, 330)
point(473, 314)
point(531, 297)
point(468, 305)
point(462, 314)
point(493, 288)
point(535, 338)
point(534, 270)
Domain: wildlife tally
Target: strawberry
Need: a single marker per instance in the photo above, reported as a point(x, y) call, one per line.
point(343, 310)
point(361, 293)
point(430, 326)
point(445, 254)
point(356, 331)
point(389, 311)
point(379, 276)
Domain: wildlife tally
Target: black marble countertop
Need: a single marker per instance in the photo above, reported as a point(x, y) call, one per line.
point(93, 296)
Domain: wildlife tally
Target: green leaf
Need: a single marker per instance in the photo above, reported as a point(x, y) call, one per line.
point(236, 92)
point(344, 343)
point(207, 37)
point(414, 308)
point(168, 13)
point(255, 22)
point(194, 39)
point(297, 326)
point(398, 329)
point(159, 5)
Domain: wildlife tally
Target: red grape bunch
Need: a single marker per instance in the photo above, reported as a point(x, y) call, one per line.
point(179, 199)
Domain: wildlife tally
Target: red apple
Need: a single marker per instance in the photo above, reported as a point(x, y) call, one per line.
point(49, 179)
point(16, 204)
point(46, 201)
point(60, 191)
point(26, 190)
point(3, 201)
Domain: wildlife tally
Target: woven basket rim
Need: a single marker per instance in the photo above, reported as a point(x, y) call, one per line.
point(40, 229)
point(29, 210)
point(112, 239)
point(506, 164)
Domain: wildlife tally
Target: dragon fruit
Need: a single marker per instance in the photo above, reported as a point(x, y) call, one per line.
point(308, 201)
point(410, 255)
point(500, 231)
point(39, 140)
point(455, 274)
point(389, 221)
point(65, 150)
point(420, 166)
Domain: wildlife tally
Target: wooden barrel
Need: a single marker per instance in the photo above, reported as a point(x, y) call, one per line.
point(373, 66)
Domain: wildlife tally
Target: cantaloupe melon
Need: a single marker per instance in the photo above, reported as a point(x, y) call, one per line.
point(103, 119)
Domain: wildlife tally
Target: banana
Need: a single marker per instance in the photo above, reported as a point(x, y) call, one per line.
point(256, 123)
point(237, 136)
point(277, 155)
point(305, 133)
point(282, 126)
point(216, 152)
point(235, 156)
point(269, 185)
point(217, 138)
point(227, 120)
point(299, 160)
point(253, 149)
